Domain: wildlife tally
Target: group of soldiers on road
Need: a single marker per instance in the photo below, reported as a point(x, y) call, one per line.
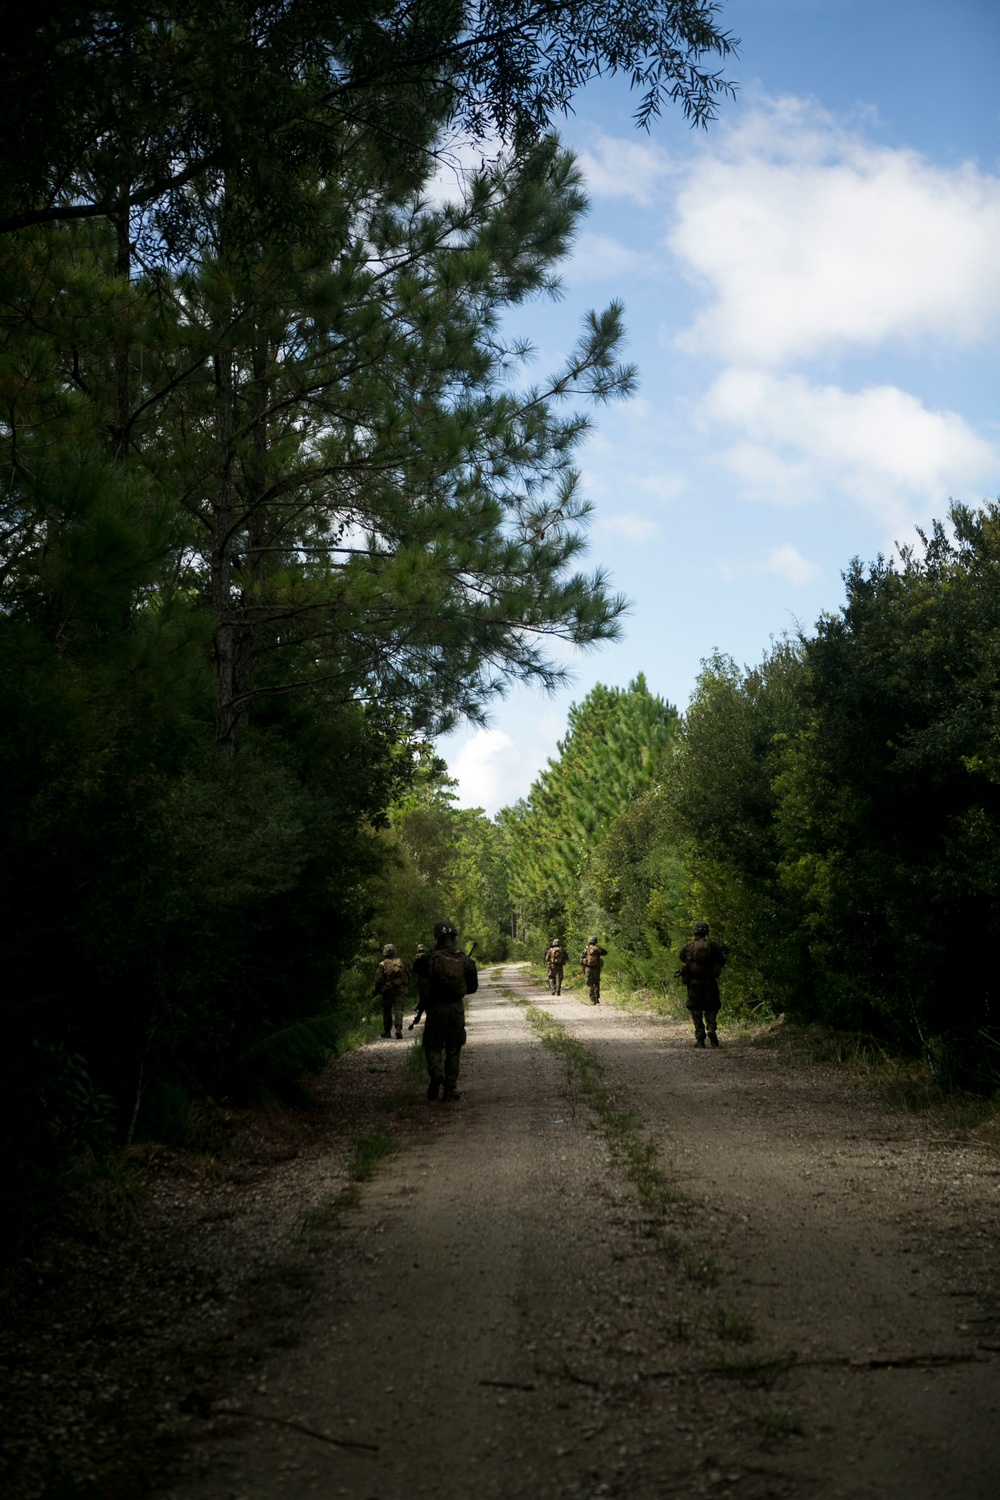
point(446, 974)
point(591, 962)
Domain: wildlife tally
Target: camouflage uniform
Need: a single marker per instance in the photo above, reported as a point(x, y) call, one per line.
point(702, 981)
point(444, 1028)
point(421, 984)
point(555, 958)
point(393, 991)
point(591, 960)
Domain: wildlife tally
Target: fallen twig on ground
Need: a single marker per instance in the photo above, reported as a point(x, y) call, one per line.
point(324, 1437)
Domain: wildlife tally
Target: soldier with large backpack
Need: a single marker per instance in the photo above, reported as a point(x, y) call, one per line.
point(701, 964)
point(592, 962)
point(392, 982)
point(555, 957)
point(445, 977)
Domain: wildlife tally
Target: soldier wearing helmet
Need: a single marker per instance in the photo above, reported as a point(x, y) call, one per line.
point(555, 957)
point(444, 977)
point(702, 962)
point(592, 962)
point(392, 982)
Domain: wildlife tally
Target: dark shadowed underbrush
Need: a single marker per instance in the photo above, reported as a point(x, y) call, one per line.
point(919, 1085)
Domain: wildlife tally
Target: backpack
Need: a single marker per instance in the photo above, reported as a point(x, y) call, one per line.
point(446, 971)
point(700, 960)
point(592, 958)
point(393, 973)
point(557, 955)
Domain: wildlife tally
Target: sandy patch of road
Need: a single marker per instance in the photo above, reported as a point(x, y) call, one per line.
point(499, 1315)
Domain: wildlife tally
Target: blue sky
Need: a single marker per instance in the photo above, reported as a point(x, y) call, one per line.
point(812, 293)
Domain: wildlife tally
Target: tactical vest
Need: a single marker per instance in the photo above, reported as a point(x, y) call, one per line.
point(592, 958)
point(394, 973)
point(446, 972)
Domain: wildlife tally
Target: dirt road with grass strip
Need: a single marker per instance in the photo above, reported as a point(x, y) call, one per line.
point(625, 1266)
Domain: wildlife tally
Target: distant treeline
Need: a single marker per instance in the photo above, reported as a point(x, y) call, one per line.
point(834, 813)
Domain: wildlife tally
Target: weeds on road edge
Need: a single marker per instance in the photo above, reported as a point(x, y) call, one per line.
point(903, 1083)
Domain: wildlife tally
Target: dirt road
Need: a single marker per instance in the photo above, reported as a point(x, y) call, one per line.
point(793, 1296)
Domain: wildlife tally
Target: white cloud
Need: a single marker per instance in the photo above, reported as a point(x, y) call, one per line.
point(632, 527)
point(622, 168)
point(600, 257)
point(486, 767)
point(812, 239)
point(457, 160)
point(659, 486)
point(787, 562)
point(796, 442)
point(784, 562)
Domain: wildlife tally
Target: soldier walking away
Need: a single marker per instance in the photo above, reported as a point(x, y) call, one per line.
point(701, 964)
point(392, 982)
point(555, 957)
point(421, 988)
point(445, 977)
point(592, 959)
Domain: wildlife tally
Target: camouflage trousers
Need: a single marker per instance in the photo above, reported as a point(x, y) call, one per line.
point(444, 1038)
point(392, 1010)
point(593, 978)
point(703, 1003)
point(555, 978)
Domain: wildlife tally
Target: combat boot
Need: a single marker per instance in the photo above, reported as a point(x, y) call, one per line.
point(713, 1037)
point(434, 1088)
point(451, 1095)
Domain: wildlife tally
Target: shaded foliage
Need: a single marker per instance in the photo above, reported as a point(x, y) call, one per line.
point(274, 503)
point(847, 851)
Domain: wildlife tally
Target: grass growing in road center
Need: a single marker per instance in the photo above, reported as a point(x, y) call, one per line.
point(637, 1155)
point(369, 1149)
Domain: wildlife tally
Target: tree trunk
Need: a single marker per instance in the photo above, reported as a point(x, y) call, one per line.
point(123, 268)
point(224, 645)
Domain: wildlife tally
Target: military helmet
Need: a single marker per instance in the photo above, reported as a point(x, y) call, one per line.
point(421, 948)
point(592, 940)
point(444, 930)
point(701, 929)
point(389, 951)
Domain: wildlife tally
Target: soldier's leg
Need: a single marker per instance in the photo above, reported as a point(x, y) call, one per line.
point(559, 977)
point(697, 1017)
point(711, 1021)
point(386, 1013)
point(454, 1042)
point(552, 981)
point(397, 1012)
point(434, 1040)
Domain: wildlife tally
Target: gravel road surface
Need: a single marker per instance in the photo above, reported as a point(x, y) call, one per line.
point(810, 1310)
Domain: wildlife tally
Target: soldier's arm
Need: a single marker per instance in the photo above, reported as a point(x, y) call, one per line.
point(471, 977)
